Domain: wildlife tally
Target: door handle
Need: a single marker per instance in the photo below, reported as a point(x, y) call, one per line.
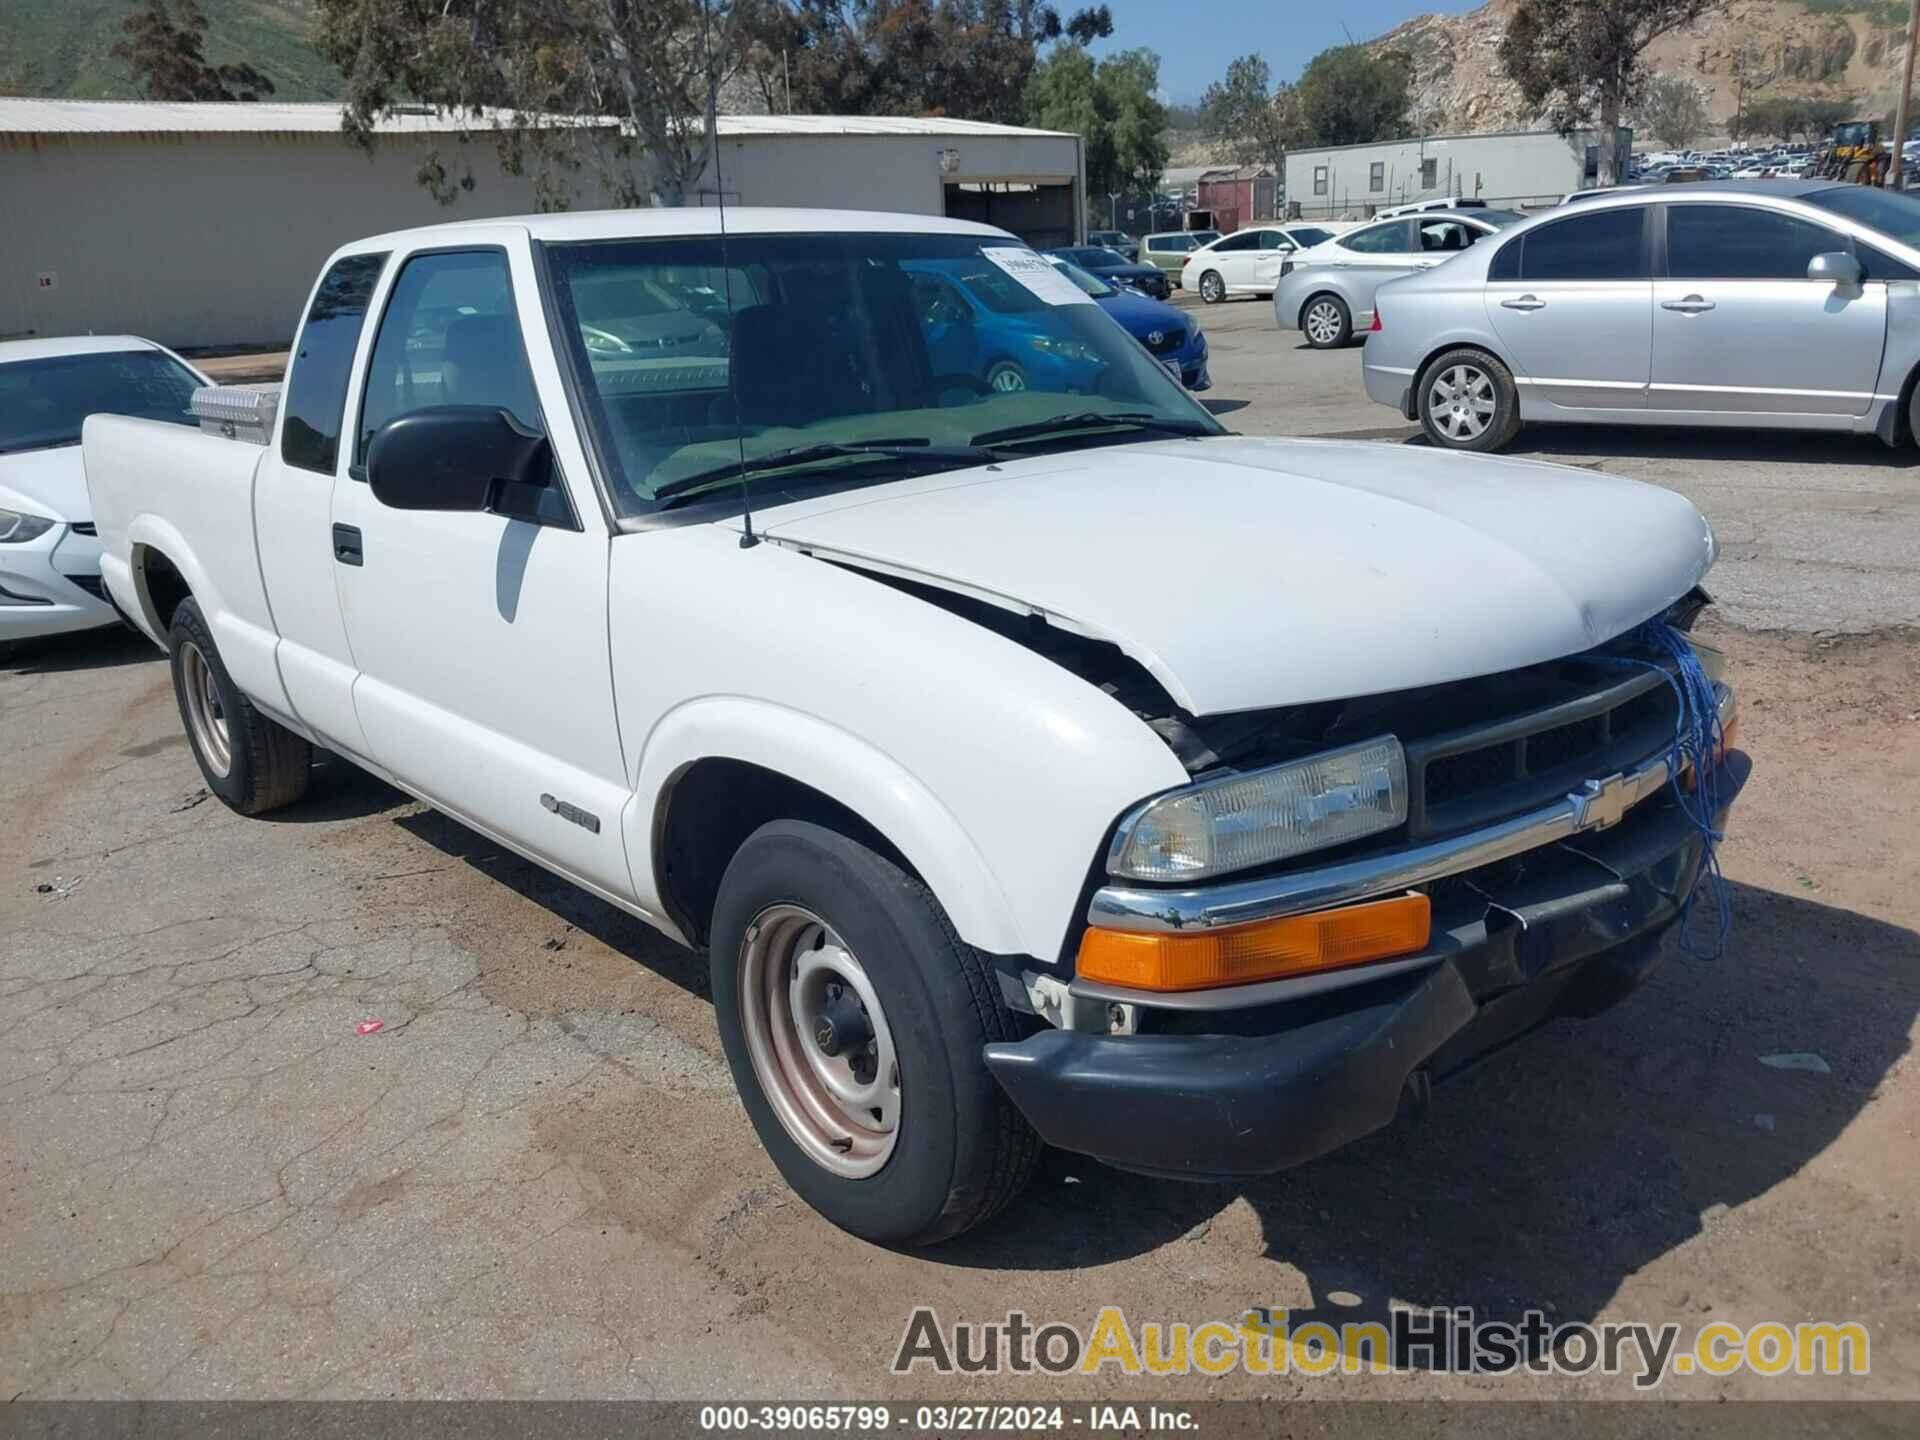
point(346, 545)
point(1524, 302)
point(1691, 305)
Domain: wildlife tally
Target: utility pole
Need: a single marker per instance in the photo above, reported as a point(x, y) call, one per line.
point(1900, 115)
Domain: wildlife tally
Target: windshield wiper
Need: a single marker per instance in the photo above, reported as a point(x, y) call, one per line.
point(802, 455)
point(1090, 419)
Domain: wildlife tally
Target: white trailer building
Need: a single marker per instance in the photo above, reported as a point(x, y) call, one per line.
point(202, 225)
point(1510, 168)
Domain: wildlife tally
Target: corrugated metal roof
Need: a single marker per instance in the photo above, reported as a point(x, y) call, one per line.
point(154, 117)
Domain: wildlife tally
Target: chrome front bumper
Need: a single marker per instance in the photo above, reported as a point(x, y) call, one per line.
point(1596, 806)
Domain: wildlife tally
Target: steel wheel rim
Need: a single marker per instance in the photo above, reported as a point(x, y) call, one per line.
point(1323, 322)
point(1461, 402)
point(1007, 379)
point(802, 991)
point(206, 716)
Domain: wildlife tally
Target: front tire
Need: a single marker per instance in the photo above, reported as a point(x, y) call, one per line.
point(1468, 401)
point(1006, 377)
point(1212, 288)
point(853, 1017)
point(250, 762)
point(1326, 322)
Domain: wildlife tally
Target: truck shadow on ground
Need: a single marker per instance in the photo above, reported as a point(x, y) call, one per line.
point(1559, 1167)
point(1540, 1179)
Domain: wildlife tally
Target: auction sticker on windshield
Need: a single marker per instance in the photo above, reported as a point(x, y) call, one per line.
point(1037, 274)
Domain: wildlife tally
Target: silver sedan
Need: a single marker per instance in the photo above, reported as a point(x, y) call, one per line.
point(1327, 291)
point(1775, 303)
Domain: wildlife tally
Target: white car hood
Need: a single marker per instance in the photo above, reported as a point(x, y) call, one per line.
point(49, 483)
point(1249, 573)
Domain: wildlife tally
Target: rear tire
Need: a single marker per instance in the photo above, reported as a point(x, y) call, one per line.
point(249, 761)
point(1467, 401)
point(1212, 288)
point(943, 1149)
point(1326, 322)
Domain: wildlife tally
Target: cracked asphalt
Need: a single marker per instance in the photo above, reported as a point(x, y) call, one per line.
point(533, 1178)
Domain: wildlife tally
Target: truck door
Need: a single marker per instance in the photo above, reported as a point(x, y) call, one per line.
point(481, 638)
point(293, 503)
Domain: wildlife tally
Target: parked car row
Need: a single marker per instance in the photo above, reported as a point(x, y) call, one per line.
point(1784, 304)
point(875, 691)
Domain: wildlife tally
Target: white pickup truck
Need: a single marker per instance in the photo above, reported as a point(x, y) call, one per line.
point(1036, 760)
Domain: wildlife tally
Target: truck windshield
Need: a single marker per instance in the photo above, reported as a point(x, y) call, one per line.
point(839, 359)
point(43, 402)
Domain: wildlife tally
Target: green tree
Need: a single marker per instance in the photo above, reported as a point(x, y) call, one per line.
point(164, 49)
point(970, 58)
point(622, 89)
point(1350, 95)
point(1672, 110)
point(1111, 105)
point(1579, 60)
point(1246, 114)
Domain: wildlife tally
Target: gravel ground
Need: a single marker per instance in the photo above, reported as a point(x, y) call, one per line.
point(534, 1178)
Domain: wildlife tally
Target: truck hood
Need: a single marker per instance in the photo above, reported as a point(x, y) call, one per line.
point(49, 483)
point(1247, 573)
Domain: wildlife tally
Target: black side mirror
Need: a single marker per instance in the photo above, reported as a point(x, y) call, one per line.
point(455, 457)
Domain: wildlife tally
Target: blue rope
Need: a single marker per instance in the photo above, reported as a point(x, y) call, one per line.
point(1697, 741)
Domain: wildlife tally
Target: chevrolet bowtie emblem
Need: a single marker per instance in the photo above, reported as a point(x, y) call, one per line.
point(1599, 803)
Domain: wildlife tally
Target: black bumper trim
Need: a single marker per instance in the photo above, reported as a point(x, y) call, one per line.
point(1570, 932)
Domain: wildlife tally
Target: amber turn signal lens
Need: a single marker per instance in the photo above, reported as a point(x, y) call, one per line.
point(1264, 950)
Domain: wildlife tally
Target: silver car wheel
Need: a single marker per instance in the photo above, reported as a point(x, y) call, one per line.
point(1461, 402)
point(206, 717)
point(1212, 289)
point(1007, 377)
point(1323, 322)
point(819, 1041)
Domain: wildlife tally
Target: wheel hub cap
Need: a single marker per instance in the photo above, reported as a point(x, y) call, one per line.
point(206, 716)
point(1461, 402)
point(819, 1041)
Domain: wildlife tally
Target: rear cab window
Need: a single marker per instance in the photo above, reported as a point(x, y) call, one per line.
point(314, 404)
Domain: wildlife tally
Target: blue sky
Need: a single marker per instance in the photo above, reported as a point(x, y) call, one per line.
point(1196, 38)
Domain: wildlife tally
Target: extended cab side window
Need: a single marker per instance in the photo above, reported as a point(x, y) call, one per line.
point(316, 396)
point(449, 336)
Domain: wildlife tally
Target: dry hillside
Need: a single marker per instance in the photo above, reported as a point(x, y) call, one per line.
point(1769, 47)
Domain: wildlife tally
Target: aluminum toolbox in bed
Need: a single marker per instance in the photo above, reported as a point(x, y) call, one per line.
point(239, 412)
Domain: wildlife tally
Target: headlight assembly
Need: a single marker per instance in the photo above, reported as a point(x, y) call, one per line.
point(1064, 348)
point(1255, 818)
point(17, 529)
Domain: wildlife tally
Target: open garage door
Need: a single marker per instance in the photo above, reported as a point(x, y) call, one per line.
point(1039, 213)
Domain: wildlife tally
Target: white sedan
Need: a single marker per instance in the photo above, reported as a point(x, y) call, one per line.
point(49, 558)
point(1248, 261)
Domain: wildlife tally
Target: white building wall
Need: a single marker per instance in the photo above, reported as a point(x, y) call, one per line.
point(1509, 169)
point(214, 240)
point(204, 240)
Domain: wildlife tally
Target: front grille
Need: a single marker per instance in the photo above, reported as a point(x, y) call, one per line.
point(1485, 772)
point(1169, 341)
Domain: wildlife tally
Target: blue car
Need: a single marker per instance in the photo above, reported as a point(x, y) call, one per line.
point(1172, 337)
point(979, 327)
